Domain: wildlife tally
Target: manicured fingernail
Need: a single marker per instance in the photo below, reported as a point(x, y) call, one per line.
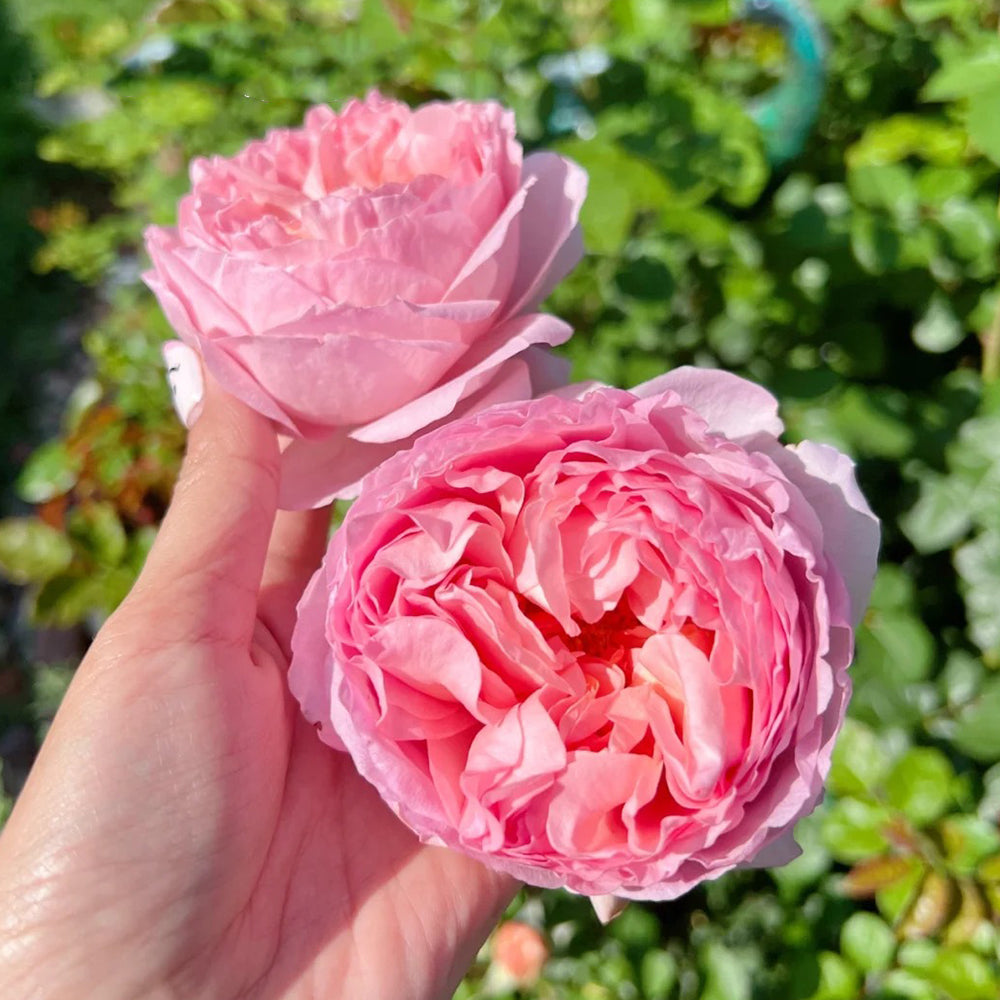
point(186, 382)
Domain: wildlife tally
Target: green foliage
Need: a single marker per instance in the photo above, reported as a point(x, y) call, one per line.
point(32, 551)
point(30, 305)
point(859, 283)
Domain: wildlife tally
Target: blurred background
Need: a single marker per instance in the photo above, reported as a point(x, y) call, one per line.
point(806, 197)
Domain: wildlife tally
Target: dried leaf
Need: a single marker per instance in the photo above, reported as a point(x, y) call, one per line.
point(867, 877)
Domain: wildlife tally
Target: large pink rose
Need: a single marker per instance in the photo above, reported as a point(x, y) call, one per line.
point(371, 274)
point(599, 642)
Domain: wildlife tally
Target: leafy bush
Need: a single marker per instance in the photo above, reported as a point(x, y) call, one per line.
point(31, 305)
point(38, 332)
point(858, 281)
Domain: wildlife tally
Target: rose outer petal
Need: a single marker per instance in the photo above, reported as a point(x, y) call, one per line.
point(310, 647)
point(314, 472)
point(851, 530)
point(506, 341)
point(550, 241)
point(730, 405)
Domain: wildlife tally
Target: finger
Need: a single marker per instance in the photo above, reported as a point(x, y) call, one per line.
point(206, 566)
point(298, 542)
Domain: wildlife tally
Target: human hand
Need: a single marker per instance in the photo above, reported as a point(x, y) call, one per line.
point(183, 832)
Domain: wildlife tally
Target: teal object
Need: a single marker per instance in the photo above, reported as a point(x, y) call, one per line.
point(787, 112)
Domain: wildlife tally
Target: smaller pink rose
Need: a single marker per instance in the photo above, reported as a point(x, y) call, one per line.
point(597, 642)
point(370, 275)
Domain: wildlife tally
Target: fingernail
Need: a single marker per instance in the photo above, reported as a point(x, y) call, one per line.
point(187, 386)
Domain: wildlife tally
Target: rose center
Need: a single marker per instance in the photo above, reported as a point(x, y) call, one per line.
point(612, 638)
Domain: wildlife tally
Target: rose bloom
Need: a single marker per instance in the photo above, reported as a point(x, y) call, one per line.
point(519, 952)
point(371, 274)
point(597, 642)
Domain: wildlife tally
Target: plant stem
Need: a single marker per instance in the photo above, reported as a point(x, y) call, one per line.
point(990, 339)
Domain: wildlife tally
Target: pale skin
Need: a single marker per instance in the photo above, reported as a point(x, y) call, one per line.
point(183, 832)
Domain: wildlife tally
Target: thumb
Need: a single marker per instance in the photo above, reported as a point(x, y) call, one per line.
point(205, 568)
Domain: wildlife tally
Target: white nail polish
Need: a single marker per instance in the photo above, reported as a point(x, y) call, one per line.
point(187, 385)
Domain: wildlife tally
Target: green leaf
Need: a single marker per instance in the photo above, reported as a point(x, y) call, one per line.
point(657, 974)
point(962, 677)
point(853, 830)
point(971, 227)
point(940, 186)
point(804, 871)
point(895, 651)
point(984, 122)
point(967, 73)
point(32, 551)
point(727, 976)
point(894, 589)
point(81, 400)
point(868, 941)
point(48, 686)
point(875, 241)
point(615, 969)
point(139, 544)
point(976, 452)
point(67, 600)
point(941, 515)
point(874, 422)
point(977, 725)
point(967, 840)
point(905, 642)
point(621, 186)
point(978, 565)
point(939, 329)
point(898, 137)
point(922, 11)
point(962, 975)
point(889, 186)
point(859, 762)
point(920, 785)
point(50, 472)
point(188, 12)
point(894, 898)
point(98, 529)
point(903, 985)
point(837, 979)
point(645, 279)
point(989, 869)
point(636, 928)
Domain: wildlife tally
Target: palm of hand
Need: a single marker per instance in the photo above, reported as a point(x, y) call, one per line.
point(197, 840)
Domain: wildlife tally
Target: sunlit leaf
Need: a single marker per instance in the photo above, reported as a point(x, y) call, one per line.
point(31, 551)
point(51, 471)
point(919, 784)
point(868, 942)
